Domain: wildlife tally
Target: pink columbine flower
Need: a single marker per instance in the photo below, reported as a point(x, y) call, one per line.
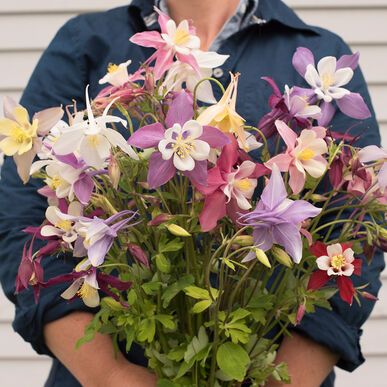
point(184, 146)
point(228, 189)
point(374, 153)
point(327, 81)
point(335, 262)
point(179, 41)
point(303, 154)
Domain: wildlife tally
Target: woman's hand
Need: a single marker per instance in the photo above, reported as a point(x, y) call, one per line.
point(309, 363)
point(94, 364)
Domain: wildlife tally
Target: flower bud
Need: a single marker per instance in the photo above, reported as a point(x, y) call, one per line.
point(177, 230)
point(244, 240)
point(369, 296)
point(138, 254)
point(282, 256)
point(160, 219)
point(262, 257)
point(300, 313)
point(318, 198)
point(114, 172)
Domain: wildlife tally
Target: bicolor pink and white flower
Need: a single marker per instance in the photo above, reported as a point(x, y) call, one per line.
point(184, 146)
point(303, 154)
point(92, 139)
point(327, 81)
point(174, 41)
point(338, 261)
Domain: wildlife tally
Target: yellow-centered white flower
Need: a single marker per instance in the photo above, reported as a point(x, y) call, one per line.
point(117, 75)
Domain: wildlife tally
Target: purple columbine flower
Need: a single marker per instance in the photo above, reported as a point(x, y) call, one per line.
point(327, 81)
point(277, 219)
point(99, 234)
point(185, 145)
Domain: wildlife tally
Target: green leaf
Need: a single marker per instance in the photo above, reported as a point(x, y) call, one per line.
point(165, 383)
point(146, 330)
point(175, 288)
point(239, 314)
point(132, 297)
point(166, 246)
point(162, 263)
point(229, 264)
point(151, 288)
point(167, 321)
point(112, 304)
point(197, 293)
point(201, 306)
point(196, 345)
point(233, 360)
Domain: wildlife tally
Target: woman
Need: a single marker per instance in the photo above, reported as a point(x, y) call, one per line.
point(261, 37)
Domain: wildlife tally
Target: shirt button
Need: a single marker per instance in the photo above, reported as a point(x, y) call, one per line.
point(218, 72)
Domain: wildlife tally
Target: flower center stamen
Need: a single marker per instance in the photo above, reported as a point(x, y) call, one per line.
point(243, 184)
point(327, 81)
point(183, 146)
point(86, 291)
point(338, 261)
point(181, 37)
point(64, 225)
point(20, 135)
point(112, 68)
point(306, 154)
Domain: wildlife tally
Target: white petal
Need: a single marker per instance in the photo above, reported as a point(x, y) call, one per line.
point(52, 215)
point(327, 66)
point(324, 262)
point(68, 142)
point(75, 209)
point(242, 202)
point(51, 231)
point(95, 150)
point(335, 249)
point(171, 27)
point(348, 270)
point(72, 290)
point(348, 255)
point(209, 59)
point(338, 92)
point(201, 150)
point(343, 76)
point(166, 152)
point(312, 77)
point(91, 280)
point(186, 164)
point(192, 128)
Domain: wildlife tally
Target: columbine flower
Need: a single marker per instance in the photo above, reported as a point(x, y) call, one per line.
point(184, 146)
point(87, 282)
point(304, 153)
point(223, 115)
point(92, 139)
point(117, 75)
point(99, 234)
point(374, 153)
point(327, 81)
point(277, 219)
point(335, 261)
point(228, 190)
point(179, 41)
point(61, 224)
point(182, 73)
point(21, 138)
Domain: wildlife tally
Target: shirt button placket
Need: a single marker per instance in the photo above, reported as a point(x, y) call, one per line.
point(218, 73)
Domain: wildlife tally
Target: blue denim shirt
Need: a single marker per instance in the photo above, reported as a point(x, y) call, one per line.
point(79, 55)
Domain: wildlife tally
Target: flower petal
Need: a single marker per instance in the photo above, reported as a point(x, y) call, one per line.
point(160, 171)
point(353, 105)
point(301, 59)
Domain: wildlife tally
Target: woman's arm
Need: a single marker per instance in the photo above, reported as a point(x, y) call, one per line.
point(94, 364)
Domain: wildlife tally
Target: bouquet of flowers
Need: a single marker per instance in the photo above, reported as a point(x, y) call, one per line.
point(194, 248)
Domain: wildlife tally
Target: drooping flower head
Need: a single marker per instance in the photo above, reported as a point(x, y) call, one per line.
point(277, 219)
point(184, 146)
point(374, 153)
point(327, 81)
point(303, 154)
point(335, 262)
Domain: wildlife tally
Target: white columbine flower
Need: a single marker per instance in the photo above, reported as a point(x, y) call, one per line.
point(327, 81)
point(117, 75)
point(337, 262)
point(92, 139)
point(183, 145)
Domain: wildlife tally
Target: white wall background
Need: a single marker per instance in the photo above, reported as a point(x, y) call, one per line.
point(26, 27)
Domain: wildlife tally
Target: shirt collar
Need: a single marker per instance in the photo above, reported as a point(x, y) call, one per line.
point(266, 11)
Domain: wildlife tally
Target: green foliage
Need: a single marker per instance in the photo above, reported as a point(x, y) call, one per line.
point(233, 360)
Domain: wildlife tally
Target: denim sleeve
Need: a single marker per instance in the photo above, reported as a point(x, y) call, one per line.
point(59, 76)
point(340, 329)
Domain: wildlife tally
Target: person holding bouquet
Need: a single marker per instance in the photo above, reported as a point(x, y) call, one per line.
point(257, 38)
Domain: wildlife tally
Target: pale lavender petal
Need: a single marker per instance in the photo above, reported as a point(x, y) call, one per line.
point(181, 110)
point(372, 153)
point(83, 188)
point(351, 61)
point(160, 171)
point(214, 137)
point(300, 210)
point(249, 257)
point(301, 59)
point(288, 236)
point(148, 136)
point(263, 238)
point(97, 252)
point(79, 248)
point(275, 191)
point(382, 177)
point(327, 113)
point(71, 160)
point(353, 105)
point(199, 174)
